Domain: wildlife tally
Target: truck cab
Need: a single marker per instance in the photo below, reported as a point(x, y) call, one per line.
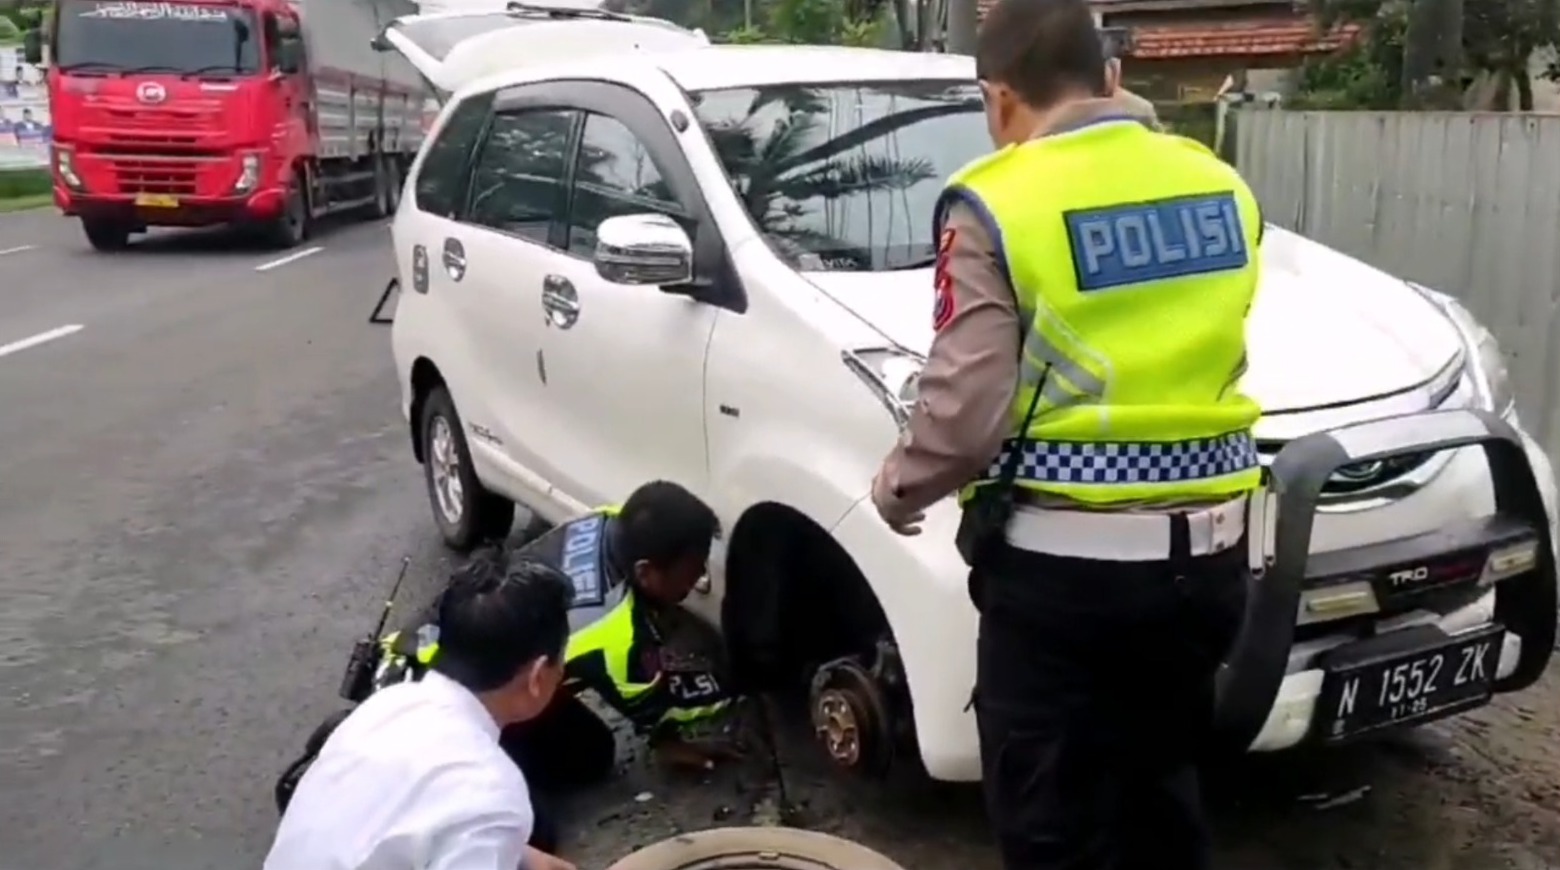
point(186, 113)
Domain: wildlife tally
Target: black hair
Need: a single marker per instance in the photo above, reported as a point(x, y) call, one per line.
point(1042, 49)
point(500, 614)
point(664, 523)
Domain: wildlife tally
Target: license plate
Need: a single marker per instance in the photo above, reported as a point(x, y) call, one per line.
point(1409, 688)
point(156, 200)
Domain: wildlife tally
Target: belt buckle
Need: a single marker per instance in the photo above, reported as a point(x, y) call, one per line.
point(1225, 524)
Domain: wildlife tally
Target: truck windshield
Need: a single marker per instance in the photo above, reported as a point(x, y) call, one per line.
point(844, 176)
point(109, 36)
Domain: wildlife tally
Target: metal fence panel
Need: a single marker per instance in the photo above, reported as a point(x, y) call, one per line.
point(1467, 203)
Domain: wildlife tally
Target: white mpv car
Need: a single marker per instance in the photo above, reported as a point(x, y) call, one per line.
point(627, 254)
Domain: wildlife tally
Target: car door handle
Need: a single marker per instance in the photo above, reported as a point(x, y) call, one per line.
point(560, 301)
point(454, 259)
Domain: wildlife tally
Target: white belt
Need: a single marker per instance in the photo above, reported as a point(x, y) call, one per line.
point(1124, 537)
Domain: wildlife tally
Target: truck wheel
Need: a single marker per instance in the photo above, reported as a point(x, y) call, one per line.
point(393, 182)
point(290, 228)
point(106, 235)
point(382, 206)
point(755, 849)
point(466, 512)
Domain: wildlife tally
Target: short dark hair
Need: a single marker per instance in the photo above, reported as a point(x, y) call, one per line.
point(498, 615)
point(663, 523)
point(1042, 49)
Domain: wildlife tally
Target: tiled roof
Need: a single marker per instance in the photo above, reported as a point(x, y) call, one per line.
point(1226, 38)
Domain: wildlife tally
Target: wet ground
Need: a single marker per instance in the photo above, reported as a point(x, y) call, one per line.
point(206, 486)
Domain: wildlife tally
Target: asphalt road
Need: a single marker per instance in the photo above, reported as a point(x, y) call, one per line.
point(205, 487)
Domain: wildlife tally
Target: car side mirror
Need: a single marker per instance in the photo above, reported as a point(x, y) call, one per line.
point(644, 249)
point(32, 47)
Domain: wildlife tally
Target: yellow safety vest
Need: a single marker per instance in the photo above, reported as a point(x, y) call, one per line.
point(576, 548)
point(1134, 256)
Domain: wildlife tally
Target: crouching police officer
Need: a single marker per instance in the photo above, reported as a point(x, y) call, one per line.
point(630, 643)
point(1093, 282)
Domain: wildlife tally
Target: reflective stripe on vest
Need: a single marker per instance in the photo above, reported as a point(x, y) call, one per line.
point(613, 636)
point(1133, 256)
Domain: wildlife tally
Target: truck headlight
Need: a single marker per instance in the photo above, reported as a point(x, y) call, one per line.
point(1486, 364)
point(65, 166)
point(892, 373)
point(248, 173)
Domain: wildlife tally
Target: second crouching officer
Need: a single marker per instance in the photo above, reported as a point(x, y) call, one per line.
point(1093, 282)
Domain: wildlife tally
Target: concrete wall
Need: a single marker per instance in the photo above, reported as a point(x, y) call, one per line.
point(1466, 203)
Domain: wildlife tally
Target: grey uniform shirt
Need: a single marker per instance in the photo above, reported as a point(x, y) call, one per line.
point(963, 412)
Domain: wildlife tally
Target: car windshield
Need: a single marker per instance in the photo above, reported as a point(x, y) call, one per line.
point(844, 177)
point(182, 38)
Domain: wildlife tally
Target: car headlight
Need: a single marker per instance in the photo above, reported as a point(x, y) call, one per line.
point(892, 373)
point(1486, 364)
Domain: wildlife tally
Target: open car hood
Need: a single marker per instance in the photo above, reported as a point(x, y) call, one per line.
point(1325, 329)
point(450, 49)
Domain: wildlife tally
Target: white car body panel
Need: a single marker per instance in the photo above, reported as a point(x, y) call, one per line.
point(1327, 333)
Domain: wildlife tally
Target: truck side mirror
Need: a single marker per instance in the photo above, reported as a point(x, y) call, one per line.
point(32, 47)
point(289, 56)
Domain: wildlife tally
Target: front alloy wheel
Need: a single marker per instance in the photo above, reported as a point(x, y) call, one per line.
point(466, 512)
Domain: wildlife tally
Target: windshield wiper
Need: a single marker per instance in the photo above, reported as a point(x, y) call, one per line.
point(89, 66)
point(151, 67)
point(923, 263)
point(225, 68)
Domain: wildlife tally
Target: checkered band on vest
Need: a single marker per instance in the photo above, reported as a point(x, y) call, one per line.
point(1128, 462)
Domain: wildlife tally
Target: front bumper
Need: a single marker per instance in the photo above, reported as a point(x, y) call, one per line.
point(189, 211)
point(921, 583)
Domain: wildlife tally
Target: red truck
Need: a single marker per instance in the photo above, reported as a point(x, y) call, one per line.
point(258, 113)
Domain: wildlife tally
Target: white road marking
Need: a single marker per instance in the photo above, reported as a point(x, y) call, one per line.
point(40, 338)
point(290, 258)
point(17, 250)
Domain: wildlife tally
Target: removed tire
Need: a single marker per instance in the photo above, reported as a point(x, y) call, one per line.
point(106, 235)
point(466, 512)
point(755, 849)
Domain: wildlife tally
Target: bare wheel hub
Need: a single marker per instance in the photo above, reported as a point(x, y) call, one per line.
point(838, 724)
point(850, 717)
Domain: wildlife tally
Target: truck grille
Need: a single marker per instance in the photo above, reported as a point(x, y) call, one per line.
point(201, 117)
point(167, 175)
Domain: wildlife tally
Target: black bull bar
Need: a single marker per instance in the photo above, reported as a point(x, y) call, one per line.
point(1250, 679)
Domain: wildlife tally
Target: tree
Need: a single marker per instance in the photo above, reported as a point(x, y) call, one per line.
point(1423, 53)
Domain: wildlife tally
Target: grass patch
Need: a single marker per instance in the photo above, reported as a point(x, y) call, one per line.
point(22, 203)
point(25, 188)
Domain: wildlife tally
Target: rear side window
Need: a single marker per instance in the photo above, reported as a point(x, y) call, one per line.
point(518, 184)
point(441, 180)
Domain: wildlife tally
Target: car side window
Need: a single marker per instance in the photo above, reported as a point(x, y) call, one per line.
point(614, 175)
point(441, 180)
point(517, 186)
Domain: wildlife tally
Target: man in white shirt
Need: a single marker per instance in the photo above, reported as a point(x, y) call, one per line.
point(413, 778)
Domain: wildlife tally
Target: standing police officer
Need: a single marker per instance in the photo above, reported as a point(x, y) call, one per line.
point(1093, 282)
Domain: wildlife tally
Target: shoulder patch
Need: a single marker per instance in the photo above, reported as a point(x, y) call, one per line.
point(581, 560)
point(942, 281)
point(1143, 242)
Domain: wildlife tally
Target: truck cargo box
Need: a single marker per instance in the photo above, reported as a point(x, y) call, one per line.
point(351, 78)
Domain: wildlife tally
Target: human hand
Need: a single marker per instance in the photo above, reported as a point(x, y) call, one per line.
point(536, 859)
point(903, 522)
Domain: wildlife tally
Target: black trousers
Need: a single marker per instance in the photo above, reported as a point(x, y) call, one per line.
point(1094, 700)
point(565, 748)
